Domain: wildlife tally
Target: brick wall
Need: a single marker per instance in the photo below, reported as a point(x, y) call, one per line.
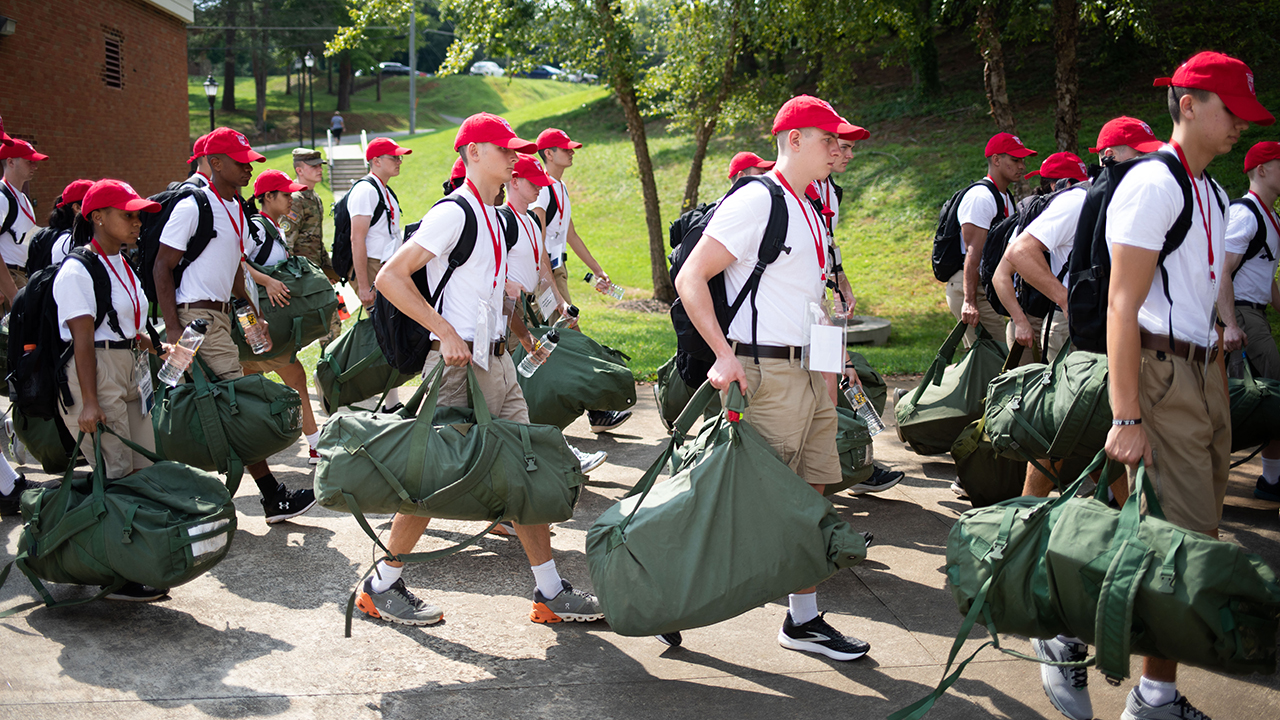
point(52, 93)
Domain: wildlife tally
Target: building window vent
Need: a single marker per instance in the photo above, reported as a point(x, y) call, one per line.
point(113, 65)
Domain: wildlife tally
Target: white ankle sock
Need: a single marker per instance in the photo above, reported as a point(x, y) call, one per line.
point(1271, 470)
point(547, 579)
point(313, 439)
point(803, 607)
point(7, 475)
point(384, 576)
point(1157, 693)
point(393, 398)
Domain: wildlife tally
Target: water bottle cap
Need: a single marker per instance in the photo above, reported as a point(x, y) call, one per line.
point(573, 311)
point(588, 277)
point(553, 336)
point(241, 302)
point(200, 325)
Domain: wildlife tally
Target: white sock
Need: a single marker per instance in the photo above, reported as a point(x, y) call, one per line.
point(393, 398)
point(1157, 693)
point(7, 476)
point(1271, 470)
point(313, 439)
point(384, 576)
point(803, 607)
point(547, 579)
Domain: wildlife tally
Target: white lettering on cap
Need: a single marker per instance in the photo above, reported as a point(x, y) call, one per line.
point(128, 187)
point(1146, 127)
point(505, 124)
point(1249, 76)
point(1084, 170)
point(1017, 139)
point(241, 139)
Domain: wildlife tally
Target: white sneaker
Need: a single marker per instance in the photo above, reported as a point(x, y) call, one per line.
point(1067, 687)
point(1136, 708)
point(589, 461)
point(959, 490)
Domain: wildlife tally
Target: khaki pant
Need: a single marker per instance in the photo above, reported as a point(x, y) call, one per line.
point(219, 350)
point(791, 409)
point(502, 394)
point(987, 316)
point(120, 403)
point(1029, 354)
point(19, 282)
point(372, 267)
point(1187, 417)
point(1261, 348)
point(561, 277)
point(1059, 334)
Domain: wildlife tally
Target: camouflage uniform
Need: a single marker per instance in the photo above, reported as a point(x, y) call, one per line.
point(304, 234)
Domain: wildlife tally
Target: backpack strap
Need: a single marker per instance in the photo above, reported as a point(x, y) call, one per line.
point(264, 252)
point(554, 206)
point(771, 245)
point(461, 252)
point(510, 230)
point(1177, 233)
point(1258, 244)
point(101, 290)
point(204, 229)
point(11, 216)
point(999, 196)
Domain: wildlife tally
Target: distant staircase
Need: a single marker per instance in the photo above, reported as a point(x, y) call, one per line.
point(346, 165)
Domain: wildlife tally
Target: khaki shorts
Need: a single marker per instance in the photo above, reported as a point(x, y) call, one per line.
point(791, 409)
point(1055, 336)
point(561, 277)
point(1059, 333)
point(1029, 354)
point(262, 367)
point(1261, 348)
point(372, 267)
point(1188, 422)
point(502, 394)
point(219, 350)
point(118, 398)
point(993, 321)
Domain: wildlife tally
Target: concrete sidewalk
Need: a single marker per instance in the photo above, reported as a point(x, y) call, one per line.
point(261, 635)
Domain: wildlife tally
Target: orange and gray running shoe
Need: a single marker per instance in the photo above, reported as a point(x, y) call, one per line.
point(568, 606)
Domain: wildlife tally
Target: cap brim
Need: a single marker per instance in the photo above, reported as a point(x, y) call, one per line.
point(1247, 108)
point(246, 156)
point(5, 140)
point(766, 164)
point(313, 163)
point(540, 180)
point(140, 205)
point(400, 151)
point(1019, 153)
point(519, 145)
point(858, 133)
point(1033, 173)
point(573, 145)
point(295, 187)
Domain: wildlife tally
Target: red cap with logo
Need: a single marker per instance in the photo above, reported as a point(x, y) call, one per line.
point(458, 171)
point(274, 181)
point(744, 160)
point(1125, 130)
point(1230, 78)
point(116, 194)
point(225, 141)
point(21, 149)
point(1006, 144)
point(1062, 165)
point(1263, 152)
point(553, 138)
point(197, 150)
point(804, 111)
point(528, 168)
point(74, 192)
point(384, 146)
point(488, 128)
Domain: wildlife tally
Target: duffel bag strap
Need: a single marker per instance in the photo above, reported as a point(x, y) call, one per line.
point(940, 362)
point(693, 410)
point(211, 424)
point(1129, 563)
point(48, 601)
point(73, 521)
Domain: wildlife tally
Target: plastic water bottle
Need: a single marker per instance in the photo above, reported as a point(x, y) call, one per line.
point(541, 351)
point(572, 313)
point(177, 363)
point(604, 286)
point(858, 399)
point(258, 341)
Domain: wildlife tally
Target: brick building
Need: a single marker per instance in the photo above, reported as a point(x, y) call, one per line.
point(100, 86)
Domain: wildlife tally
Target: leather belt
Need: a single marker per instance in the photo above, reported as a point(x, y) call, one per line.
point(499, 347)
point(116, 344)
point(19, 268)
point(1254, 305)
point(224, 307)
point(1179, 348)
point(775, 352)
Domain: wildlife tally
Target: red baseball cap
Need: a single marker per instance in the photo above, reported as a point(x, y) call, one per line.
point(197, 151)
point(1230, 78)
point(116, 194)
point(21, 149)
point(5, 140)
point(1006, 144)
point(488, 128)
point(74, 192)
point(1265, 151)
point(528, 167)
point(459, 170)
point(225, 141)
point(275, 180)
point(804, 111)
point(1062, 165)
point(859, 133)
point(553, 138)
point(384, 146)
point(744, 160)
point(1125, 130)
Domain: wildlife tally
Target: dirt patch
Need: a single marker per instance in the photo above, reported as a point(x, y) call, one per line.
point(648, 305)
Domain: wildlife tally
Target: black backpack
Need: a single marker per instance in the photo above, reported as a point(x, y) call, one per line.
point(10, 217)
point(1090, 264)
point(693, 355)
point(40, 253)
point(1257, 244)
point(341, 257)
point(697, 217)
point(153, 226)
point(1032, 301)
point(38, 379)
point(947, 258)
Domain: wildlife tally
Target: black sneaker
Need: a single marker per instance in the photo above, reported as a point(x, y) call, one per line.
point(881, 479)
point(393, 409)
point(10, 504)
point(816, 636)
point(671, 639)
point(606, 420)
point(1266, 491)
point(136, 592)
point(285, 504)
point(867, 537)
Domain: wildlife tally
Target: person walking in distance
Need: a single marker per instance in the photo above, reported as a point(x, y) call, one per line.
point(17, 215)
point(336, 127)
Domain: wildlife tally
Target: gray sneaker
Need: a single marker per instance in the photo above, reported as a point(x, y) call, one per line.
point(1135, 708)
point(396, 604)
point(1067, 687)
point(589, 461)
point(571, 605)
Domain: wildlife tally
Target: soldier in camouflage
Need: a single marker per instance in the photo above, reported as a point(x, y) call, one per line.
point(302, 227)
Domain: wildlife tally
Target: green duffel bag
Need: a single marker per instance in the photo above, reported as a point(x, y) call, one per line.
point(732, 530)
point(949, 397)
point(352, 368)
point(162, 526)
point(312, 303)
point(873, 384)
point(853, 445)
point(1126, 583)
point(223, 425)
point(1255, 410)
point(580, 375)
point(986, 476)
point(672, 394)
point(46, 440)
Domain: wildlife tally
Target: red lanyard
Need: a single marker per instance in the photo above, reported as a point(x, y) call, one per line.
point(1267, 211)
point(386, 195)
point(533, 240)
point(1204, 217)
point(497, 248)
point(559, 202)
point(130, 288)
point(17, 197)
point(826, 203)
point(207, 179)
point(815, 228)
point(243, 220)
point(1006, 205)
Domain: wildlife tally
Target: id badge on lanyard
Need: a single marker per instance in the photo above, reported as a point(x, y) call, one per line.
point(824, 345)
point(142, 377)
point(482, 344)
point(546, 298)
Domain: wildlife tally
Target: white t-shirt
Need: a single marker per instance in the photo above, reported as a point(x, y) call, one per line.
point(387, 235)
point(61, 247)
point(73, 294)
point(198, 180)
point(1055, 228)
point(278, 253)
point(212, 275)
point(10, 251)
point(1252, 282)
point(523, 259)
point(788, 284)
point(482, 277)
point(1145, 205)
point(557, 234)
point(978, 208)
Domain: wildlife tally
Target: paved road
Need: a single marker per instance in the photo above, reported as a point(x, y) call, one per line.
point(261, 635)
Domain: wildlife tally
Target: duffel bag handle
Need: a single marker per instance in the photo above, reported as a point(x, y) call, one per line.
point(945, 355)
point(1130, 559)
point(693, 409)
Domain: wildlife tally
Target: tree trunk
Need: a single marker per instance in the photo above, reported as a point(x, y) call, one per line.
point(379, 83)
point(344, 81)
point(702, 135)
point(328, 66)
point(229, 62)
point(288, 78)
point(1066, 78)
point(259, 58)
point(922, 56)
point(993, 71)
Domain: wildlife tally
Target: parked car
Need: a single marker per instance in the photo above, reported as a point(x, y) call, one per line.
point(394, 68)
point(543, 72)
point(489, 68)
point(578, 77)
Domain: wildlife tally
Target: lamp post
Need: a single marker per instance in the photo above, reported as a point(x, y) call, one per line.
point(210, 92)
point(297, 66)
point(311, 63)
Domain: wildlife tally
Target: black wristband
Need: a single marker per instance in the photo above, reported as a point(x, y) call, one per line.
point(1121, 423)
